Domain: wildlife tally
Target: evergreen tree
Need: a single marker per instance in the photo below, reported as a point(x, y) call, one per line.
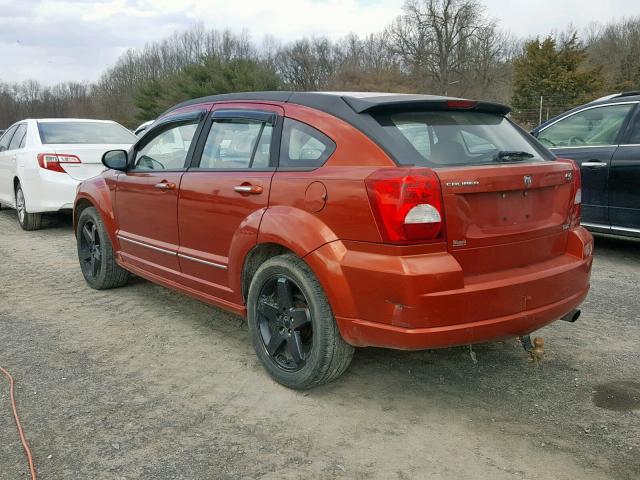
point(554, 70)
point(212, 76)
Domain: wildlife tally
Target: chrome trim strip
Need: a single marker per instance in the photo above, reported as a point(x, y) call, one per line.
point(583, 146)
point(142, 244)
point(586, 108)
point(629, 145)
point(595, 225)
point(612, 228)
point(626, 229)
point(204, 262)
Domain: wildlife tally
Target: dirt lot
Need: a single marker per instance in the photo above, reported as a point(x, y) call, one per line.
point(143, 383)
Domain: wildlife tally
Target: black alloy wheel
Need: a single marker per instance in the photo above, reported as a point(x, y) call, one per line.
point(90, 250)
point(95, 252)
point(284, 322)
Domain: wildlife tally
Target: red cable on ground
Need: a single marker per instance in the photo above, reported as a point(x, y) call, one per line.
point(23, 439)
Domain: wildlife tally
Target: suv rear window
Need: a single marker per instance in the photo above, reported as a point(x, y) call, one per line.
point(451, 138)
point(84, 132)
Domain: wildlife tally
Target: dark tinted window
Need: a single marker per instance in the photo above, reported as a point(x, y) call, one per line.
point(237, 143)
point(18, 137)
point(6, 138)
point(303, 146)
point(444, 138)
point(635, 133)
point(84, 132)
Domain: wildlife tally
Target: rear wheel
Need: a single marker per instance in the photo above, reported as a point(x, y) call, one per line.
point(95, 253)
point(28, 221)
point(292, 326)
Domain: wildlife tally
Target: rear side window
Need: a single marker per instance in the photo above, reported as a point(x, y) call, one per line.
point(6, 138)
point(594, 126)
point(18, 137)
point(451, 138)
point(84, 132)
point(303, 146)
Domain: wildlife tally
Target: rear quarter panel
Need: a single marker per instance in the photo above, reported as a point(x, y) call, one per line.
point(312, 207)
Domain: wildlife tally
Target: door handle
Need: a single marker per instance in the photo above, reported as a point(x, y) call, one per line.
point(593, 164)
point(165, 186)
point(254, 189)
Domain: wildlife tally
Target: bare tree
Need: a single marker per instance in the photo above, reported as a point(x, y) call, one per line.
point(615, 46)
point(307, 64)
point(434, 38)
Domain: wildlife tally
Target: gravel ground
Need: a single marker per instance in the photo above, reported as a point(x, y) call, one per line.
point(144, 383)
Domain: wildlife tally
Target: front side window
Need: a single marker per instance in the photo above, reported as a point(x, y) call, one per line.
point(303, 146)
point(167, 150)
point(6, 138)
point(74, 132)
point(18, 137)
point(634, 139)
point(452, 138)
point(591, 127)
point(237, 143)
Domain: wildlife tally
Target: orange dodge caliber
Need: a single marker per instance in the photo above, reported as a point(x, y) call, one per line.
point(341, 220)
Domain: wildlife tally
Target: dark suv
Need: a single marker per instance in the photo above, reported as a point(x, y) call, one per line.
point(604, 138)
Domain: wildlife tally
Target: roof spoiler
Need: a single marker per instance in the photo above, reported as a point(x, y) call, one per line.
point(406, 103)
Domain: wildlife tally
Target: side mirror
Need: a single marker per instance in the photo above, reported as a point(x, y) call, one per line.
point(115, 160)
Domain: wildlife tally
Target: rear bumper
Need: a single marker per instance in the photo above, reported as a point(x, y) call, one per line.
point(362, 333)
point(408, 301)
point(47, 191)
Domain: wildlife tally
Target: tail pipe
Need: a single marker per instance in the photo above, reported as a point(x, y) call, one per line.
point(572, 316)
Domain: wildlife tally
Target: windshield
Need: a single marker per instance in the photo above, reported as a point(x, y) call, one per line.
point(450, 138)
point(84, 132)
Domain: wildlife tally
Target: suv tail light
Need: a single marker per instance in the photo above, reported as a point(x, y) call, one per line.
point(575, 209)
point(54, 161)
point(407, 204)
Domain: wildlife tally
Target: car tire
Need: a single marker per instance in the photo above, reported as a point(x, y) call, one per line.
point(292, 327)
point(28, 221)
point(95, 253)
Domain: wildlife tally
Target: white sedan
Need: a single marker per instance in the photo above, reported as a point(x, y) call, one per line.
point(42, 162)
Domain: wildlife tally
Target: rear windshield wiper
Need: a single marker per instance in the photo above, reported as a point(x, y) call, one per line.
point(511, 155)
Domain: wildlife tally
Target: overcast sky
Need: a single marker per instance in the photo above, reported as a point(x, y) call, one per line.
point(54, 40)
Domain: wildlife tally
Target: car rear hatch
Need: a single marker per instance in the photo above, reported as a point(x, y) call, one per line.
point(506, 216)
point(507, 203)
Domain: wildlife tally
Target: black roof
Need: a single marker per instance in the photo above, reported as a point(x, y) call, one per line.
point(359, 102)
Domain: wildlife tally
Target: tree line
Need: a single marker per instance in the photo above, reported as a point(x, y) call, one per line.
point(448, 47)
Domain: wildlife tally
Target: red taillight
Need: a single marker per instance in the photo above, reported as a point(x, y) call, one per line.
point(575, 209)
point(54, 161)
point(407, 204)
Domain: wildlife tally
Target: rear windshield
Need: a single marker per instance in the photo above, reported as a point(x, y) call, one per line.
point(450, 138)
point(84, 132)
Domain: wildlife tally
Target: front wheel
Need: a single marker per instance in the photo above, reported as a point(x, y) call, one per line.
point(28, 221)
point(292, 326)
point(95, 253)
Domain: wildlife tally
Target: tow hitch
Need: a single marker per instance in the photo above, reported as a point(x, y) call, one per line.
point(535, 349)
